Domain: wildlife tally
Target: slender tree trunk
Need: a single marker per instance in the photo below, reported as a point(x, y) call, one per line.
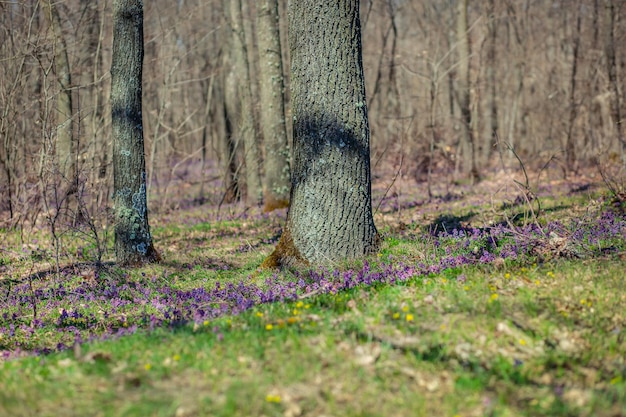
point(230, 142)
point(246, 120)
point(517, 25)
point(611, 61)
point(228, 146)
point(492, 80)
point(277, 185)
point(464, 85)
point(330, 213)
point(570, 148)
point(133, 241)
point(64, 122)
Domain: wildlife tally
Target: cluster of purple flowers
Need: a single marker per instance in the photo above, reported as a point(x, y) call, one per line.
point(49, 315)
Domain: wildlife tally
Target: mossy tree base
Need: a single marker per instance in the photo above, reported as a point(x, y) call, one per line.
point(286, 254)
point(330, 214)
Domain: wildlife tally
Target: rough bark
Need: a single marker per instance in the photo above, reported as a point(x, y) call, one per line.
point(133, 241)
point(246, 114)
point(330, 213)
point(276, 164)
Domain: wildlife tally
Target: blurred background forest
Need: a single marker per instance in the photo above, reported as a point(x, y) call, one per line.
point(545, 80)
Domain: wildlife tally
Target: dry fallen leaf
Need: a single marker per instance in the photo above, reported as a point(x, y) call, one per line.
point(367, 354)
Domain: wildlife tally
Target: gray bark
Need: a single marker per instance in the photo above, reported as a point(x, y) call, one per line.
point(276, 185)
point(133, 241)
point(246, 114)
point(330, 214)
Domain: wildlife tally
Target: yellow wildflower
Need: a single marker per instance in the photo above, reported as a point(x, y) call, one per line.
point(409, 317)
point(299, 304)
point(272, 398)
point(396, 316)
point(269, 326)
point(147, 367)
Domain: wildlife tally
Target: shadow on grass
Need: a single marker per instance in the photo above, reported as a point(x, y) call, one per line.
point(206, 263)
point(64, 270)
point(447, 223)
point(520, 217)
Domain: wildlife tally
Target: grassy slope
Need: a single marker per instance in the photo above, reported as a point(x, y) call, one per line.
point(506, 338)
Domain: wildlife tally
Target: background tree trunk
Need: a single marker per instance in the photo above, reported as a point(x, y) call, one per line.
point(246, 114)
point(133, 241)
point(330, 214)
point(570, 149)
point(463, 87)
point(492, 25)
point(276, 164)
point(64, 122)
point(611, 61)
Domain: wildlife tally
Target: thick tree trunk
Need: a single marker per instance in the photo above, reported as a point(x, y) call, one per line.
point(330, 214)
point(133, 241)
point(246, 120)
point(276, 185)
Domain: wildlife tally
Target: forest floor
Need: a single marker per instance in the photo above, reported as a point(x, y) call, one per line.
point(486, 300)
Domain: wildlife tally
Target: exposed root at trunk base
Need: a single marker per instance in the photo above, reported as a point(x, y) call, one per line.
point(152, 256)
point(285, 255)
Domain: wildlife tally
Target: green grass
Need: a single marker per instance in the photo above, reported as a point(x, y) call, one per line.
point(532, 337)
point(547, 345)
